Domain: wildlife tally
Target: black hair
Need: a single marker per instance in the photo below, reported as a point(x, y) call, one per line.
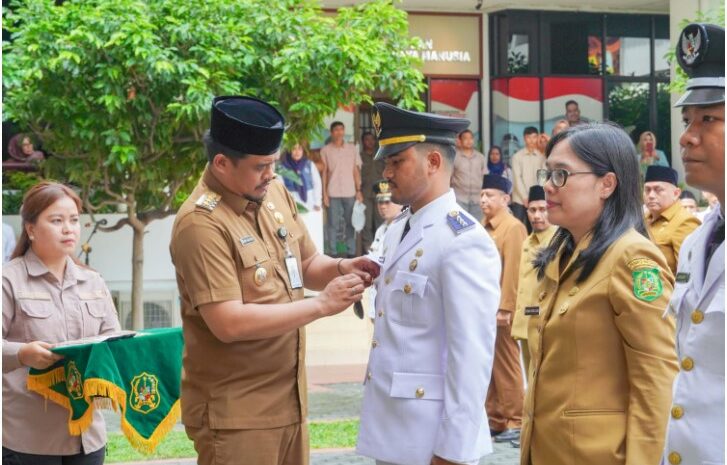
point(335, 124)
point(687, 195)
point(530, 130)
point(459, 136)
point(447, 151)
point(571, 102)
point(606, 148)
point(212, 147)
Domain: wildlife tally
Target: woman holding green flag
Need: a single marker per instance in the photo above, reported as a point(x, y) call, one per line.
point(48, 297)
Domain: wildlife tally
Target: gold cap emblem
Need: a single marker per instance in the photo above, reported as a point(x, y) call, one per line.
point(376, 120)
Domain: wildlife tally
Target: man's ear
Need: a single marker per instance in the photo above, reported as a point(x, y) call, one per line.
point(435, 161)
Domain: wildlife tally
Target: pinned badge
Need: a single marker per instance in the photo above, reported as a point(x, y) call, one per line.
point(270, 206)
point(261, 274)
point(279, 217)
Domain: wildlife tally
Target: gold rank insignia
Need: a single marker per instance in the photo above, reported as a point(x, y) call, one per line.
point(459, 223)
point(208, 200)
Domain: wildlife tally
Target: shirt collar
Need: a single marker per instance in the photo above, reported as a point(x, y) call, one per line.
point(497, 220)
point(36, 268)
point(238, 203)
point(668, 213)
point(543, 236)
point(435, 207)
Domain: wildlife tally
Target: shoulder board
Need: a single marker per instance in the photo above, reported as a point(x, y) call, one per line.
point(404, 212)
point(208, 200)
point(458, 222)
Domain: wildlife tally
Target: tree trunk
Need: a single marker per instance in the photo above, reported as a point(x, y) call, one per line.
point(137, 278)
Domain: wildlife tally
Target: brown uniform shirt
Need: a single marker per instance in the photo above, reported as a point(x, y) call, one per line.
point(509, 234)
point(528, 280)
point(669, 229)
point(36, 307)
point(219, 241)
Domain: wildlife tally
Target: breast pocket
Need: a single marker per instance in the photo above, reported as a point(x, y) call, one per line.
point(706, 339)
point(408, 293)
point(93, 311)
point(37, 320)
point(257, 277)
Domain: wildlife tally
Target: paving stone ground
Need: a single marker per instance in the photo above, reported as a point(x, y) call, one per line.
point(330, 402)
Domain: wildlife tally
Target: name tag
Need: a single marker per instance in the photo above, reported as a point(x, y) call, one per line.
point(532, 311)
point(247, 240)
point(291, 263)
point(683, 277)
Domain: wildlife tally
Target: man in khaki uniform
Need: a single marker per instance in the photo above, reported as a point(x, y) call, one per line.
point(543, 231)
point(242, 255)
point(505, 397)
point(669, 223)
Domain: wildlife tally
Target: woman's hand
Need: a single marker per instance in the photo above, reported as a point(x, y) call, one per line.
point(37, 355)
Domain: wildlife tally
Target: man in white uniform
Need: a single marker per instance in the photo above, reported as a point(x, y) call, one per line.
point(695, 434)
point(438, 294)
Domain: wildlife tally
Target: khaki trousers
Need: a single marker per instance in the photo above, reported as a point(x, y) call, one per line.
point(287, 445)
point(504, 403)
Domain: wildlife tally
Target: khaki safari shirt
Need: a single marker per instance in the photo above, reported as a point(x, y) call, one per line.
point(602, 359)
point(36, 307)
point(222, 245)
point(509, 234)
point(528, 280)
point(669, 229)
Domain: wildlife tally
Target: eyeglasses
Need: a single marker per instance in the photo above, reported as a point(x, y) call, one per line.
point(558, 176)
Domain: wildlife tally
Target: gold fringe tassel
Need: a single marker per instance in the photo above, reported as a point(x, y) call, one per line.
point(97, 387)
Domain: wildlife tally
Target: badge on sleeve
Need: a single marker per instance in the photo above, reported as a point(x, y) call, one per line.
point(646, 279)
point(459, 223)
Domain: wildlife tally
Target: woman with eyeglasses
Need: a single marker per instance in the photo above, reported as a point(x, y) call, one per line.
point(602, 351)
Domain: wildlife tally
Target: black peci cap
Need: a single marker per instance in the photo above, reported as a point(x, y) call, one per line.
point(495, 181)
point(687, 195)
point(398, 129)
point(246, 125)
point(536, 193)
point(661, 174)
point(700, 54)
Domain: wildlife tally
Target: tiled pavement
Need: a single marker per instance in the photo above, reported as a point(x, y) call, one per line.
point(329, 402)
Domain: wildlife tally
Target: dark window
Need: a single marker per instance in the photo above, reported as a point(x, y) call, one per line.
point(571, 43)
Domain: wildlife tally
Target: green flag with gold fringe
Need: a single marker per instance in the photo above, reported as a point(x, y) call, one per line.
point(140, 375)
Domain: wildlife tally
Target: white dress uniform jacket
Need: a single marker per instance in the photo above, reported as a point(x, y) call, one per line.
point(695, 434)
point(433, 344)
point(374, 253)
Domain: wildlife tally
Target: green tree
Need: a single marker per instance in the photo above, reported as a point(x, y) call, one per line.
point(678, 84)
point(119, 90)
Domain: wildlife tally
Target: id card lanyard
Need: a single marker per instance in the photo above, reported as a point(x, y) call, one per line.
point(291, 262)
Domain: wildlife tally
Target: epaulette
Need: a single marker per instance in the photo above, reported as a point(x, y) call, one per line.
point(208, 200)
point(404, 212)
point(459, 222)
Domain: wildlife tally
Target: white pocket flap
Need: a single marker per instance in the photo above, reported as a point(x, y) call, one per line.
point(417, 386)
point(410, 283)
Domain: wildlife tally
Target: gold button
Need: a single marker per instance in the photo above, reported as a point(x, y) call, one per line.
point(419, 252)
point(573, 291)
point(374, 343)
point(387, 280)
point(368, 376)
point(677, 412)
point(697, 317)
point(687, 363)
point(675, 458)
point(407, 288)
point(420, 393)
point(381, 314)
point(413, 265)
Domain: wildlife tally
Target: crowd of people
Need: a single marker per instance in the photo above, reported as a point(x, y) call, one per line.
point(579, 261)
